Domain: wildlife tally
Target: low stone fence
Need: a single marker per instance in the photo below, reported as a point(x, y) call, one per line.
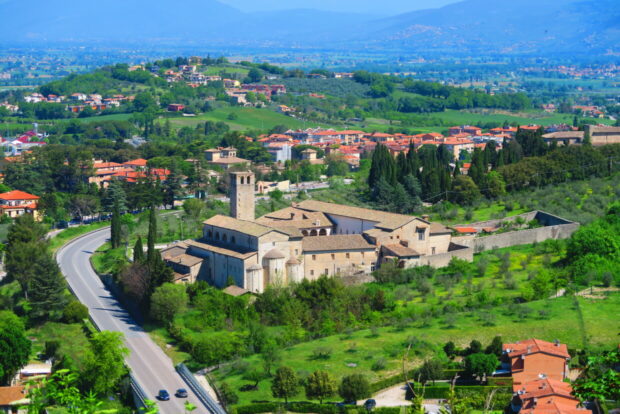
point(443, 259)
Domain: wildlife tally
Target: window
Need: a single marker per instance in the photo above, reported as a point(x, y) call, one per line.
point(326, 272)
point(217, 235)
point(372, 266)
point(333, 256)
point(224, 237)
point(241, 179)
point(233, 239)
point(296, 252)
point(312, 273)
point(210, 234)
point(421, 233)
point(348, 255)
point(314, 257)
point(433, 250)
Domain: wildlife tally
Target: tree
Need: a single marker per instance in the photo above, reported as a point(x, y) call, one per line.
point(151, 253)
point(495, 184)
point(450, 349)
point(167, 301)
point(47, 289)
point(320, 385)
point(104, 362)
point(479, 364)
point(138, 251)
point(14, 345)
point(271, 357)
point(25, 247)
point(354, 387)
point(431, 370)
point(228, 394)
point(254, 75)
point(495, 347)
point(464, 190)
point(600, 378)
point(115, 228)
point(74, 312)
point(285, 384)
point(194, 208)
point(115, 196)
point(474, 347)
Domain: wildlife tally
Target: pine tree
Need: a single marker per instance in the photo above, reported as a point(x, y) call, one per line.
point(151, 253)
point(138, 251)
point(47, 289)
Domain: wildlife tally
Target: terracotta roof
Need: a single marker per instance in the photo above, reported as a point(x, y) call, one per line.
point(555, 407)
point(234, 290)
point(389, 221)
point(18, 195)
point(140, 162)
point(98, 165)
point(241, 226)
point(274, 254)
point(438, 228)
point(220, 249)
point(230, 160)
point(336, 242)
point(531, 346)
point(565, 135)
point(11, 395)
point(399, 250)
point(186, 260)
point(465, 230)
point(545, 387)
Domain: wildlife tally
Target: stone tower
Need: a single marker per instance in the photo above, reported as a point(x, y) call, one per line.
point(242, 195)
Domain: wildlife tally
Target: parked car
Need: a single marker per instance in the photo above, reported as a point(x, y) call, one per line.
point(370, 404)
point(181, 393)
point(163, 395)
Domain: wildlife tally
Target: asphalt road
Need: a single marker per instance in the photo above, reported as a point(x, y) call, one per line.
point(151, 368)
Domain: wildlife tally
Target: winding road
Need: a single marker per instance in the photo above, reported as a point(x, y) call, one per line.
point(150, 366)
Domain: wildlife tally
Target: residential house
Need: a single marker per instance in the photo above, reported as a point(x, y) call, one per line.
point(224, 158)
point(16, 203)
point(545, 396)
point(13, 400)
point(535, 359)
point(564, 137)
point(603, 135)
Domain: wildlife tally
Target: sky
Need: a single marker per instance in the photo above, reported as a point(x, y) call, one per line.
point(378, 7)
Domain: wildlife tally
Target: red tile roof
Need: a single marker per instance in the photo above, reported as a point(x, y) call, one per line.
point(140, 162)
point(18, 195)
point(531, 346)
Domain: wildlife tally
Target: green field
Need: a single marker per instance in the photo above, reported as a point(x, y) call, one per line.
point(71, 337)
point(246, 118)
point(218, 69)
point(363, 348)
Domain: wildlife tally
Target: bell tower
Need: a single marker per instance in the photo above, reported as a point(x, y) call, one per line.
point(242, 195)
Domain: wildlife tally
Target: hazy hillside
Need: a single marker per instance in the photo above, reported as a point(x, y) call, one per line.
point(519, 26)
point(471, 26)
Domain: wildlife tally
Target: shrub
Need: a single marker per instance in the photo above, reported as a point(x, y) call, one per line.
point(379, 364)
point(74, 312)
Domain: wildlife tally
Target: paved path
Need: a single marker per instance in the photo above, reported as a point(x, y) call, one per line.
point(150, 366)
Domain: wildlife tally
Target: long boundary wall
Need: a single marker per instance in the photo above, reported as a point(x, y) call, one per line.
point(554, 227)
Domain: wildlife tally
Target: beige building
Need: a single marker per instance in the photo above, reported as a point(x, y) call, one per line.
point(224, 158)
point(304, 241)
point(603, 135)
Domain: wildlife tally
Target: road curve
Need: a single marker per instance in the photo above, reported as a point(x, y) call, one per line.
point(151, 367)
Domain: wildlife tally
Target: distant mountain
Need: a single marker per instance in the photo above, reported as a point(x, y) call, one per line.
point(508, 26)
point(470, 26)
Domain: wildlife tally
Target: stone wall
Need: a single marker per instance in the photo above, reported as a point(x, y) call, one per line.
point(554, 227)
point(443, 259)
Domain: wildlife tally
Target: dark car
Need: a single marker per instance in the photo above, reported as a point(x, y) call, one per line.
point(181, 393)
point(163, 395)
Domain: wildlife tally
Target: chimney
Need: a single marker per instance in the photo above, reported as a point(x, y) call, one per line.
point(426, 217)
point(557, 342)
point(529, 349)
point(292, 216)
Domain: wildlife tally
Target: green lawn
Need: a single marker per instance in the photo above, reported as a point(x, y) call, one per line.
point(216, 70)
point(112, 117)
point(246, 118)
point(362, 348)
point(73, 341)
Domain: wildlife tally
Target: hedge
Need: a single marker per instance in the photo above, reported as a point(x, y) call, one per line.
point(439, 392)
point(447, 374)
point(499, 381)
point(306, 407)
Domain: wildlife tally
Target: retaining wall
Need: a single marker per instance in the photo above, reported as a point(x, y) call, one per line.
point(443, 259)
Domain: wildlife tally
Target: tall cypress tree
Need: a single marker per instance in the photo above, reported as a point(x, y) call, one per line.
point(115, 228)
point(138, 251)
point(402, 167)
point(151, 253)
point(413, 160)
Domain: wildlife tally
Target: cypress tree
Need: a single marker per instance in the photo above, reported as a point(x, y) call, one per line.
point(138, 251)
point(115, 229)
point(457, 169)
point(151, 253)
point(413, 160)
point(402, 166)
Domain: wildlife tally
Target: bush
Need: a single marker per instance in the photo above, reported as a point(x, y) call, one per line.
point(74, 312)
point(379, 364)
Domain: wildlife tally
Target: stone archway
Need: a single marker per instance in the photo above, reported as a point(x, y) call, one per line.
point(313, 233)
point(323, 232)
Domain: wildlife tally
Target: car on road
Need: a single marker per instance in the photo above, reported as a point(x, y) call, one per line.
point(181, 393)
point(163, 395)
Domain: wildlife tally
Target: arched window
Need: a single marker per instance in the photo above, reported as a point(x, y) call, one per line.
point(217, 235)
point(241, 179)
point(210, 234)
point(224, 237)
point(323, 232)
point(233, 239)
point(313, 233)
point(304, 232)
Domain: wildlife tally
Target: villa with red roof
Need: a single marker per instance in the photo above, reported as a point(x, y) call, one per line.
point(16, 203)
point(534, 359)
